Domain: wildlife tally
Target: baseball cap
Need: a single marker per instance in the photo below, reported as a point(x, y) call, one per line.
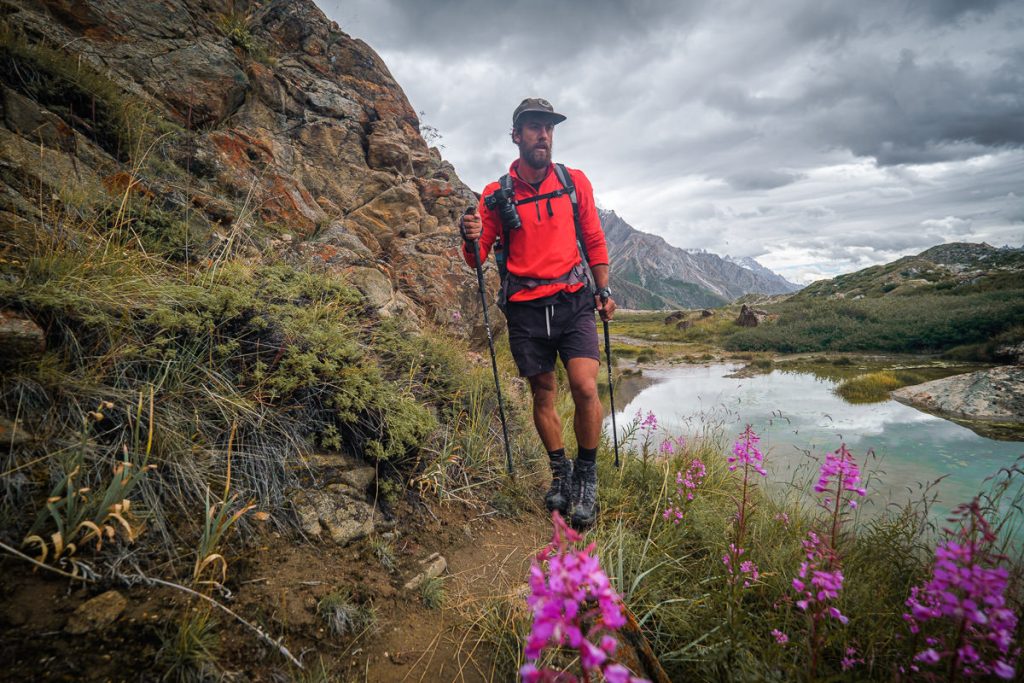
point(537, 105)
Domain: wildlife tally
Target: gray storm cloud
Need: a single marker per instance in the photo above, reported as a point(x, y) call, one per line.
point(740, 127)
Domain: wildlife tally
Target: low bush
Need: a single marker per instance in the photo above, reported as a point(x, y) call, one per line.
point(870, 388)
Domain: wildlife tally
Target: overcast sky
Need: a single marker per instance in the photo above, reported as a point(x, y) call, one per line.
point(818, 137)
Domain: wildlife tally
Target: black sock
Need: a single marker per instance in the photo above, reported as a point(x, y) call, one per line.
point(555, 455)
point(587, 454)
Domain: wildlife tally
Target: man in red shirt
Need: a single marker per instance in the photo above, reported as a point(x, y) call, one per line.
point(548, 298)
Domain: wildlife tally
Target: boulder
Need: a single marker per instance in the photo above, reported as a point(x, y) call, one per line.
point(96, 614)
point(706, 313)
point(675, 316)
point(334, 512)
point(995, 395)
point(750, 317)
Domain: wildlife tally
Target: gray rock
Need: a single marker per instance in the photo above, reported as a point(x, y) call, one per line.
point(360, 478)
point(97, 613)
point(433, 567)
point(335, 513)
point(995, 395)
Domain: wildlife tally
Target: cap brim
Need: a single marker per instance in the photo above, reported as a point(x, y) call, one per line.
point(554, 117)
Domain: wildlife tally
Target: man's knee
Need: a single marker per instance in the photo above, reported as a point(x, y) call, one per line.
point(583, 379)
point(544, 388)
point(584, 390)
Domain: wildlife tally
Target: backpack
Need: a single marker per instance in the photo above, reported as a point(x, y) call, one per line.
point(578, 273)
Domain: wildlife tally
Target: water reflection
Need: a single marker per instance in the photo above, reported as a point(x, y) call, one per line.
point(800, 419)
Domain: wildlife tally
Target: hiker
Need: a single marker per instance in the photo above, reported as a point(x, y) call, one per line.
point(544, 220)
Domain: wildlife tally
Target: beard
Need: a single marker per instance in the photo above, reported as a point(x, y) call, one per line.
point(537, 158)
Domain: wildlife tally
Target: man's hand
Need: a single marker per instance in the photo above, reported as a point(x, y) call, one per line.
point(606, 307)
point(470, 225)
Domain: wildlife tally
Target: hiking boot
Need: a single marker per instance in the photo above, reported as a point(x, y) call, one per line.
point(584, 494)
point(559, 495)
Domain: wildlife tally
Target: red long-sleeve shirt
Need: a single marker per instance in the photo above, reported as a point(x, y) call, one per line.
point(545, 247)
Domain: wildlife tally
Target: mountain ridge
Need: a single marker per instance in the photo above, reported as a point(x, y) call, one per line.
point(648, 272)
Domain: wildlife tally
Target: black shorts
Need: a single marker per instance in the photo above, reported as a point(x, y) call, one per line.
point(562, 324)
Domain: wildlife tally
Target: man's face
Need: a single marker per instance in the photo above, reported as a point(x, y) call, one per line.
point(534, 140)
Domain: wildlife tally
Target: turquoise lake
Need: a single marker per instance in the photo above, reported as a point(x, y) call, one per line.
point(800, 419)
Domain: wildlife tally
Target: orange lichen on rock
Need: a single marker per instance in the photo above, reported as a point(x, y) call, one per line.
point(122, 181)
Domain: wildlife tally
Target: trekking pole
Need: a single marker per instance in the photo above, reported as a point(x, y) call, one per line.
point(611, 390)
point(490, 343)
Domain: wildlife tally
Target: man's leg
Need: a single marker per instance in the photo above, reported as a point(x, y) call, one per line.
point(583, 384)
point(544, 388)
point(587, 422)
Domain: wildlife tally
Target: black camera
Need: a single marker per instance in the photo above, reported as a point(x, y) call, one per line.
point(502, 199)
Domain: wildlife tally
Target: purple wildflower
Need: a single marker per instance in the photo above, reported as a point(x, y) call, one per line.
point(815, 583)
point(745, 452)
point(840, 473)
point(851, 659)
point(966, 592)
point(780, 637)
point(686, 486)
point(561, 600)
point(746, 570)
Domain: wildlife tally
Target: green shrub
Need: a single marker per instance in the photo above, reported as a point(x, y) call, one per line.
point(911, 324)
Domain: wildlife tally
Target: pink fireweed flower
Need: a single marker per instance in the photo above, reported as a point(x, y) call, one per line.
point(745, 571)
point(780, 637)
point(815, 583)
point(650, 422)
point(851, 659)
point(686, 486)
point(840, 472)
point(966, 595)
point(745, 452)
point(567, 589)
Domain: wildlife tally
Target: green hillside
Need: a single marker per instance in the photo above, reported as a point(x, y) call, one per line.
point(964, 299)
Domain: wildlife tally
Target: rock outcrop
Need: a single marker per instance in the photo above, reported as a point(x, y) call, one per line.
point(268, 118)
point(750, 317)
point(990, 396)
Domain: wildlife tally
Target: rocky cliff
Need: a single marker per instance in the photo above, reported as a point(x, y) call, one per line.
point(648, 272)
point(253, 127)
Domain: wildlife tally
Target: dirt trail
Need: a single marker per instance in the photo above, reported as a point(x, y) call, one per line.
point(490, 566)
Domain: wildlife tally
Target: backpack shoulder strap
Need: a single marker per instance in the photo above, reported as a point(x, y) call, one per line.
point(565, 178)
